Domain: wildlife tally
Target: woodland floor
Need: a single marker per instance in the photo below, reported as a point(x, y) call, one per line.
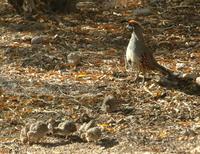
point(37, 84)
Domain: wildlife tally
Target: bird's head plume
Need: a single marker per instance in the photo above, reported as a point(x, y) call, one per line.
point(134, 26)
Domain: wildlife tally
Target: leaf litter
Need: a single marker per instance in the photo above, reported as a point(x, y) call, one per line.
point(37, 83)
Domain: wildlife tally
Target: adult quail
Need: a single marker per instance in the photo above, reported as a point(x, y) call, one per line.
point(138, 56)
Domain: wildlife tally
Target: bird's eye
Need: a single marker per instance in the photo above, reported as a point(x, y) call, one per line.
point(129, 27)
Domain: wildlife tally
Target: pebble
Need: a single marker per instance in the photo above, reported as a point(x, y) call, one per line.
point(142, 11)
point(37, 40)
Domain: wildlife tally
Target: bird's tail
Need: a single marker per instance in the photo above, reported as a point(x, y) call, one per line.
point(163, 70)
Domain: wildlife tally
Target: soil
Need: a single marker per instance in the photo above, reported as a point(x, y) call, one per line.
point(37, 82)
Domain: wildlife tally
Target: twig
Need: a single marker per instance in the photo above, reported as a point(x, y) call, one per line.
point(147, 90)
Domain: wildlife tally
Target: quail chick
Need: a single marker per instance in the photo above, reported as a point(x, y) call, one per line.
point(86, 6)
point(37, 131)
point(86, 126)
point(93, 134)
point(52, 123)
point(138, 56)
point(120, 3)
point(73, 59)
point(90, 124)
point(110, 104)
point(23, 134)
point(65, 128)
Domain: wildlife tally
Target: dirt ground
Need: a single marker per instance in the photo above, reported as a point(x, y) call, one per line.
point(37, 83)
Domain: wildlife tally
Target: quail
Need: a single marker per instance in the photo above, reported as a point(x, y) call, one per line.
point(83, 128)
point(138, 56)
point(65, 128)
point(120, 3)
point(110, 104)
point(73, 59)
point(93, 134)
point(52, 123)
point(37, 131)
point(23, 134)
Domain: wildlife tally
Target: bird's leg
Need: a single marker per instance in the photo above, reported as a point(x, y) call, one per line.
point(137, 76)
point(143, 80)
point(126, 63)
point(137, 72)
point(144, 76)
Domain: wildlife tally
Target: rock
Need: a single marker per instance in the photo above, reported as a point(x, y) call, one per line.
point(37, 40)
point(142, 11)
point(198, 81)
